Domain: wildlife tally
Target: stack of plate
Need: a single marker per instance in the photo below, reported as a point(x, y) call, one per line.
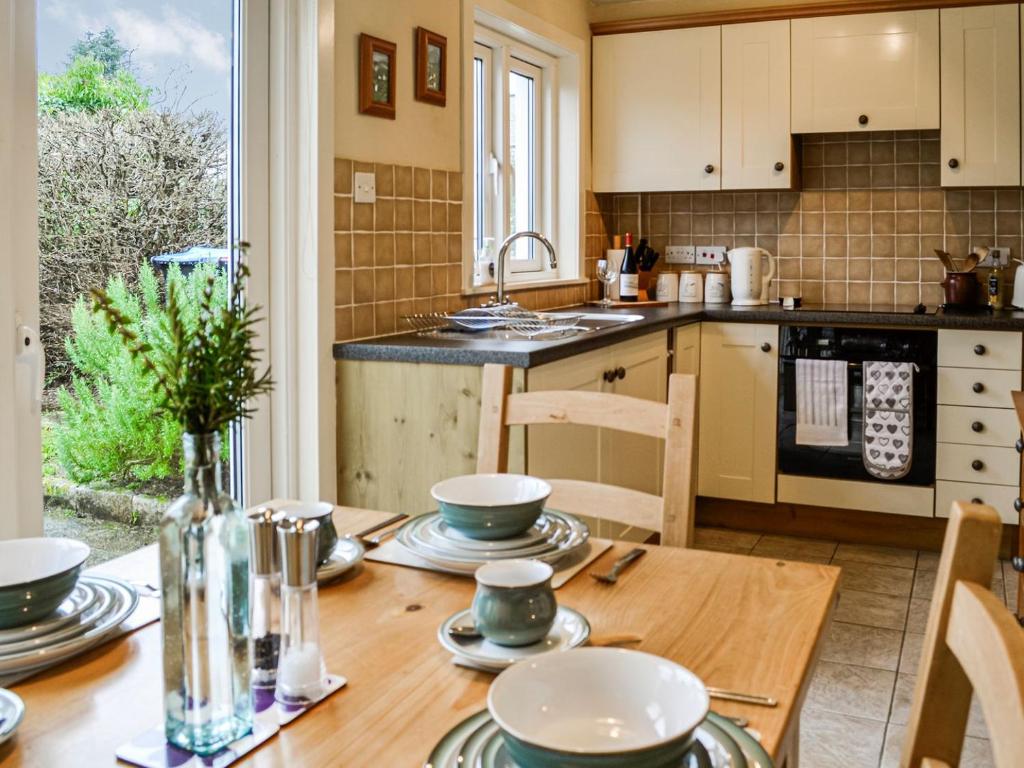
point(554, 536)
point(477, 742)
point(91, 613)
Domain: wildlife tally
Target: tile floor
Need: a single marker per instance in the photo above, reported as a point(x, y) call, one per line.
point(857, 709)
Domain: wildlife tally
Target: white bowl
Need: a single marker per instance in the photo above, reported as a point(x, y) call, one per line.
point(23, 561)
point(491, 490)
point(598, 707)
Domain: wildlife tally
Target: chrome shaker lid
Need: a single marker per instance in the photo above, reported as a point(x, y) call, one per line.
point(296, 539)
point(263, 552)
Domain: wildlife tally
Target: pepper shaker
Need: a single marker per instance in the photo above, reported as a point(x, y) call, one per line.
point(301, 673)
point(264, 596)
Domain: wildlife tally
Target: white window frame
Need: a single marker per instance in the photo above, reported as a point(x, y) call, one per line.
point(516, 34)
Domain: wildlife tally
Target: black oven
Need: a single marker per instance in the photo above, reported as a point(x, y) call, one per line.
point(855, 346)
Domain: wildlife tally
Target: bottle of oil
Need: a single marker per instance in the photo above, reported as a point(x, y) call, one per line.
point(995, 288)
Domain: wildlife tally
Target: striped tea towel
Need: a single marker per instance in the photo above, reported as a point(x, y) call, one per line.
point(888, 419)
point(821, 402)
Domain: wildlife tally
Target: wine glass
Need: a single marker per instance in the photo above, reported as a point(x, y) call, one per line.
point(607, 273)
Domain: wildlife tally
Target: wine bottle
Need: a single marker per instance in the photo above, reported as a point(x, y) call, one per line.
point(629, 274)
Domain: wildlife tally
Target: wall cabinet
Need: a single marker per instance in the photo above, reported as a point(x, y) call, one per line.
point(980, 76)
point(738, 403)
point(870, 72)
point(657, 111)
point(757, 147)
point(638, 368)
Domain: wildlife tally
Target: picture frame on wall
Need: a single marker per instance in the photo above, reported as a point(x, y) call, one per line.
point(431, 67)
point(377, 76)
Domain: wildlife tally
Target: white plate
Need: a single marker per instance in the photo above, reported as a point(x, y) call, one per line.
point(537, 534)
point(570, 630)
point(80, 600)
point(346, 553)
point(12, 709)
point(125, 600)
point(551, 531)
point(94, 613)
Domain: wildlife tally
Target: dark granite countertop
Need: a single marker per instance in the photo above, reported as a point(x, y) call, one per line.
point(466, 350)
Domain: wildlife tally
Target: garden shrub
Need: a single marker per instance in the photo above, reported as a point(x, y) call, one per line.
point(109, 427)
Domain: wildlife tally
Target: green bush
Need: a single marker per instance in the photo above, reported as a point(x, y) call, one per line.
point(87, 86)
point(110, 428)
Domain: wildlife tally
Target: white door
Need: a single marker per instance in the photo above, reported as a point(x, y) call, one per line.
point(20, 354)
point(757, 146)
point(981, 140)
point(657, 110)
point(866, 72)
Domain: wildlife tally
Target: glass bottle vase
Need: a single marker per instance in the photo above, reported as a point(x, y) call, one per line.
point(204, 568)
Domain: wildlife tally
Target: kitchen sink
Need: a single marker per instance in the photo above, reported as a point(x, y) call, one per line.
point(586, 322)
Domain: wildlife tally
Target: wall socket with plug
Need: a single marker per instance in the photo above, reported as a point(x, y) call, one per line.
point(710, 254)
point(997, 257)
point(680, 254)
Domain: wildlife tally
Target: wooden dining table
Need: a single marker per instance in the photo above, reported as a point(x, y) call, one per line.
point(743, 623)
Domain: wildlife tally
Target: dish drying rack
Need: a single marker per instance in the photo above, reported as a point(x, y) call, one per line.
point(509, 317)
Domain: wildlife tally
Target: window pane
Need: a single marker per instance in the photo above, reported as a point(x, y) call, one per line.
point(478, 152)
point(522, 159)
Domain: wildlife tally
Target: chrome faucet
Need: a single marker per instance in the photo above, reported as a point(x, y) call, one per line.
point(503, 253)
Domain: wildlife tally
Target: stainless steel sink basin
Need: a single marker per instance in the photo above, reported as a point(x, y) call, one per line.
point(586, 322)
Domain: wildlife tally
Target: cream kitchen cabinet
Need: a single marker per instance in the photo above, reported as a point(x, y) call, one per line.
point(980, 76)
point(738, 402)
point(686, 349)
point(657, 111)
point(870, 72)
point(638, 368)
point(757, 147)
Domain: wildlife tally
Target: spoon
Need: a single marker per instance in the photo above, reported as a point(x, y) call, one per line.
point(972, 261)
point(946, 259)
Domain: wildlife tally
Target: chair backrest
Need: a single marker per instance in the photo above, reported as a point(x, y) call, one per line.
point(972, 643)
point(670, 514)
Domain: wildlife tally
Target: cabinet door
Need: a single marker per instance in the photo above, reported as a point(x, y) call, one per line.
point(757, 146)
point(867, 72)
point(686, 353)
point(738, 386)
point(980, 96)
point(566, 451)
point(657, 110)
point(634, 461)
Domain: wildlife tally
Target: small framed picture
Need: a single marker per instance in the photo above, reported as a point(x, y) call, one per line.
point(431, 66)
point(376, 77)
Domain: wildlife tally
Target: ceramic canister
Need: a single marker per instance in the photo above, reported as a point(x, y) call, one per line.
point(668, 287)
point(716, 288)
point(691, 288)
point(514, 602)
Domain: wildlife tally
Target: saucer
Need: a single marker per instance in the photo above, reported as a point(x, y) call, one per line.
point(12, 709)
point(570, 630)
point(345, 555)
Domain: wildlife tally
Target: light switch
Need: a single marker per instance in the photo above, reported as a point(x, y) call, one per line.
point(365, 185)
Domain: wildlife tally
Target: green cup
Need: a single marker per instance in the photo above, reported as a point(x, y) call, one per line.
point(514, 603)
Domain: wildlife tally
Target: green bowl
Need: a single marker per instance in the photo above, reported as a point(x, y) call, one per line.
point(491, 507)
point(36, 575)
point(527, 755)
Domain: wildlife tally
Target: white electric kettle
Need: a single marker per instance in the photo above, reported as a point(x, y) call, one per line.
point(749, 280)
point(1018, 286)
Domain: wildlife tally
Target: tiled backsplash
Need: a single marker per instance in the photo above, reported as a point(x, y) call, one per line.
point(862, 230)
point(403, 254)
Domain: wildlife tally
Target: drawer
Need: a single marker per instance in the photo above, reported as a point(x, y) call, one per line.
point(977, 426)
point(980, 349)
point(1000, 497)
point(956, 387)
point(999, 466)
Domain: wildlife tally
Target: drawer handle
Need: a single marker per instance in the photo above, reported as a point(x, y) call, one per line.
point(620, 372)
point(709, 168)
point(1019, 445)
point(976, 500)
point(609, 376)
point(954, 163)
point(766, 347)
point(780, 166)
point(863, 119)
point(1018, 504)
point(979, 349)
point(977, 465)
point(978, 387)
point(977, 426)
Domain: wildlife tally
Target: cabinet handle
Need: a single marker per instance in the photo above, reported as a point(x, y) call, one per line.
point(977, 426)
point(766, 347)
point(1018, 564)
point(979, 349)
point(1019, 445)
point(863, 119)
point(1018, 505)
point(609, 376)
point(780, 166)
point(978, 387)
point(709, 168)
point(954, 163)
point(976, 500)
point(977, 465)
point(620, 372)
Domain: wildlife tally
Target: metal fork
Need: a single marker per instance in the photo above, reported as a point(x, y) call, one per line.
point(361, 536)
point(619, 566)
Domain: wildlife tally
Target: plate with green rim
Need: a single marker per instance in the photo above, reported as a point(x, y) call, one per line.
point(12, 710)
point(80, 600)
point(757, 756)
point(447, 749)
point(722, 748)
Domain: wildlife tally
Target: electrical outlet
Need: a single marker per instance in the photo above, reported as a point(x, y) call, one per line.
point(710, 254)
point(997, 257)
point(680, 254)
point(365, 185)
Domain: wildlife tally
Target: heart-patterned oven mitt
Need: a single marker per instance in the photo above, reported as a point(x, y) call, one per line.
point(888, 419)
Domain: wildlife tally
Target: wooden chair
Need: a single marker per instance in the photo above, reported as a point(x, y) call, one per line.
point(670, 514)
point(972, 643)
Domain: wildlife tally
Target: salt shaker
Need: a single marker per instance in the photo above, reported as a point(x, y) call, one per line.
point(301, 673)
point(264, 596)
